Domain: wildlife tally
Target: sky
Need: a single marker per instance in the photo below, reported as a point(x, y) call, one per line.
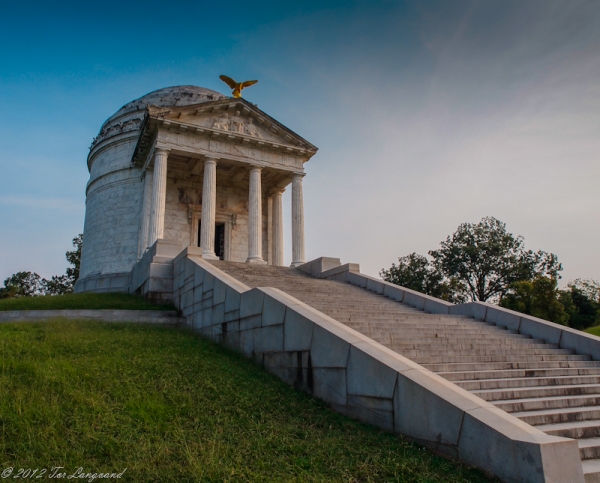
point(426, 114)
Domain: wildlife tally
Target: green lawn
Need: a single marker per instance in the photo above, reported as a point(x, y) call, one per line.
point(594, 330)
point(82, 301)
point(172, 407)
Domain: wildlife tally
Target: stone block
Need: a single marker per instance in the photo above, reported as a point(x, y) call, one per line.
point(503, 317)
point(269, 339)
point(429, 408)
point(414, 299)
point(231, 316)
point(515, 451)
point(232, 300)
point(318, 266)
point(219, 291)
point(477, 310)
point(207, 317)
point(369, 376)
point(247, 342)
point(375, 285)
point(328, 349)
point(197, 294)
point(163, 270)
point(329, 384)
point(198, 276)
point(251, 322)
point(581, 342)
point(208, 282)
point(357, 279)
point(393, 292)
point(297, 332)
point(197, 319)
point(218, 313)
point(251, 303)
point(273, 311)
point(372, 410)
point(436, 306)
point(541, 329)
point(232, 340)
point(190, 267)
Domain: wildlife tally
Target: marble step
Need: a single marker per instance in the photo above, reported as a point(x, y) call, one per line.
point(542, 403)
point(589, 448)
point(559, 415)
point(508, 358)
point(591, 470)
point(519, 364)
point(573, 429)
point(518, 373)
point(496, 395)
point(527, 382)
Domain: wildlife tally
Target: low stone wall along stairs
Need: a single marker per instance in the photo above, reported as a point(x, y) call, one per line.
point(525, 409)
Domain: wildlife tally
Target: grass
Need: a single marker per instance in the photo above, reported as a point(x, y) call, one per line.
point(593, 330)
point(95, 301)
point(172, 407)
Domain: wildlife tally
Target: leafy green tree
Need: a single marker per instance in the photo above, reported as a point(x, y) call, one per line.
point(62, 284)
point(483, 259)
point(582, 303)
point(539, 297)
point(415, 272)
point(22, 284)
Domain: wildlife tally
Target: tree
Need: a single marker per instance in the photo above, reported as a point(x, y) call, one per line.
point(415, 272)
point(539, 297)
point(62, 284)
point(582, 303)
point(28, 284)
point(22, 284)
point(484, 260)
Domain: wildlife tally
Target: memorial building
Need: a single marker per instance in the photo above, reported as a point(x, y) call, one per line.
point(194, 168)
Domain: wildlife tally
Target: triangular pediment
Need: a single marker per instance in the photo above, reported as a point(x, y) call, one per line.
point(231, 117)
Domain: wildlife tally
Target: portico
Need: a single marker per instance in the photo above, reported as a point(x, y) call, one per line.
point(224, 164)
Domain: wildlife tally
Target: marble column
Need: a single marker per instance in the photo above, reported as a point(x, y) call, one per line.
point(145, 216)
point(209, 207)
point(278, 228)
point(159, 194)
point(255, 217)
point(298, 257)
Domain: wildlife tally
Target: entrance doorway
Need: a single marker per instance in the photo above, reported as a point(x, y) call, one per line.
point(219, 238)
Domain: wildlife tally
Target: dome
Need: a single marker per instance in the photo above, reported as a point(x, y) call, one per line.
point(170, 96)
point(129, 118)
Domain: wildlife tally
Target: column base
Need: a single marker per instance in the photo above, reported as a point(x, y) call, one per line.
point(296, 264)
point(256, 261)
point(210, 256)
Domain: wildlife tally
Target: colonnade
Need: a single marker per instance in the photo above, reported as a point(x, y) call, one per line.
point(153, 212)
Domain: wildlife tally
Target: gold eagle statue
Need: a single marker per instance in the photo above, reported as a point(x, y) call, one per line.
point(237, 86)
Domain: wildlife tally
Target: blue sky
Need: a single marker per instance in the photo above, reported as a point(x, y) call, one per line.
point(427, 114)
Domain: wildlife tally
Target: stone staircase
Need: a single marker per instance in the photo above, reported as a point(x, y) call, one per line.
point(552, 389)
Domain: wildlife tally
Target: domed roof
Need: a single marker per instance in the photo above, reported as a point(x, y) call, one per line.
point(170, 96)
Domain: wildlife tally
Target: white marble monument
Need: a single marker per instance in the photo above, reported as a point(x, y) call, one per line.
point(193, 167)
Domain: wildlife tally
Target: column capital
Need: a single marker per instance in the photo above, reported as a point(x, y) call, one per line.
point(276, 191)
point(212, 159)
point(255, 167)
point(299, 175)
point(161, 151)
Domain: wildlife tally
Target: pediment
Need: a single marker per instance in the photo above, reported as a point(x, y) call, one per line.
point(235, 117)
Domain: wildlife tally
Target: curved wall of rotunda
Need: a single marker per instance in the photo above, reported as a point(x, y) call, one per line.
point(115, 190)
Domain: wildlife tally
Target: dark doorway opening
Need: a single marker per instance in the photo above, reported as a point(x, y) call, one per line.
point(219, 238)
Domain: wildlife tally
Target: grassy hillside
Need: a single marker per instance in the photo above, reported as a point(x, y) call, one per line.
point(593, 330)
point(172, 407)
point(82, 301)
